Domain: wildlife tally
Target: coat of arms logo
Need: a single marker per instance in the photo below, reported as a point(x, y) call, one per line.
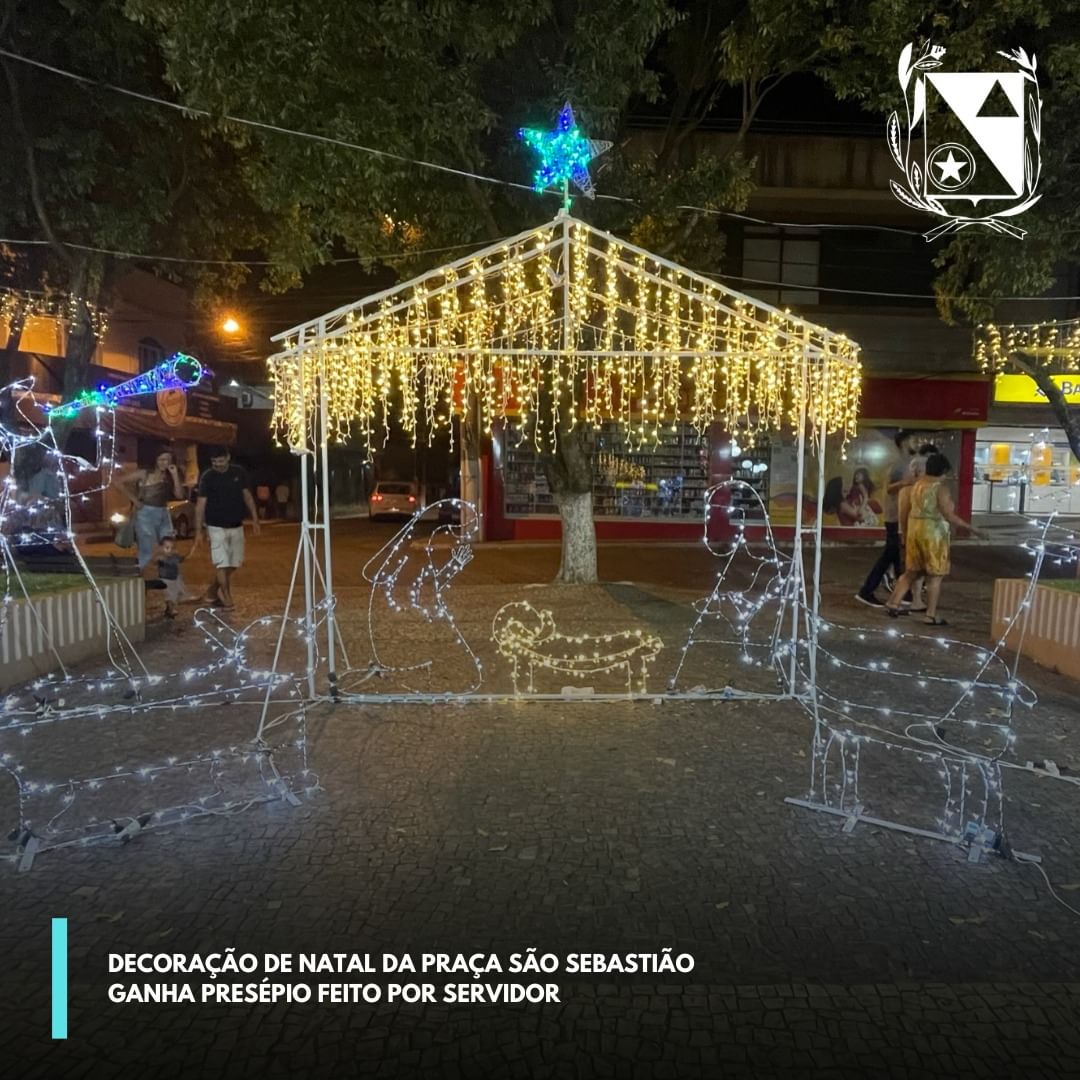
point(979, 160)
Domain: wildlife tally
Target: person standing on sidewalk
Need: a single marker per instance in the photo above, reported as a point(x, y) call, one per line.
point(150, 491)
point(224, 498)
point(891, 556)
point(929, 538)
point(916, 468)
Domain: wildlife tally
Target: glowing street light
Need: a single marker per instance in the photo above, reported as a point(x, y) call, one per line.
point(230, 325)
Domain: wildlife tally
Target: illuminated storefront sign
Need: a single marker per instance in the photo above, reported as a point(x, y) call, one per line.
point(1014, 389)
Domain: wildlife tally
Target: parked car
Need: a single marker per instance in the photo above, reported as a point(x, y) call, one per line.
point(181, 511)
point(393, 498)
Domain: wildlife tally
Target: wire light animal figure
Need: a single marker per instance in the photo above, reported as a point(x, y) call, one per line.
point(748, 616)
point(418, 582)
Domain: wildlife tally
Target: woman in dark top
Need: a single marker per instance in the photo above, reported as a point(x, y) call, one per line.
point(151, 490)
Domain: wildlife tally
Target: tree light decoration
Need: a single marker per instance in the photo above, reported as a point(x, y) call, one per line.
point(564, 155)
point(527, 637)
point(558, 326)
point(18, 305)
point(995, 346)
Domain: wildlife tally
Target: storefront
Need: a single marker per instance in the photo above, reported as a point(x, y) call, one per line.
point(652, 491)
point(657, 492)
point(1023, 464)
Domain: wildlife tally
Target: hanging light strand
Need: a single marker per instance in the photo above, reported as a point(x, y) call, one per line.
point(607, 333)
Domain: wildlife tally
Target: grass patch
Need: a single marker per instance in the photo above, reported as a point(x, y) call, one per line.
point(42, 584)
point(1068, 585)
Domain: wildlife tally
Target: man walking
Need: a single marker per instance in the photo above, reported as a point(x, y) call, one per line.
point(891, 555)
point(223, 499)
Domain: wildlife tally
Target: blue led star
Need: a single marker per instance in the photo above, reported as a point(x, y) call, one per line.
point(564, 155)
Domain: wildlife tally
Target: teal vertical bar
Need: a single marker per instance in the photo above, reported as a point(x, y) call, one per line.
point(59, 978)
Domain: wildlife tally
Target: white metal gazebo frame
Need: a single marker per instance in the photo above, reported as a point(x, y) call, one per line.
point(324, 372)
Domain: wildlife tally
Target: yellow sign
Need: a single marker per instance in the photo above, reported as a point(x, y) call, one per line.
point(1014, 389)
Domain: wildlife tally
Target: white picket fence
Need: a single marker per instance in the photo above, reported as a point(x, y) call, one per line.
point(1052, 636)
point(71, 623)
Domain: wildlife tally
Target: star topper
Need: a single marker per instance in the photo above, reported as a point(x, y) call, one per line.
point(564, 156)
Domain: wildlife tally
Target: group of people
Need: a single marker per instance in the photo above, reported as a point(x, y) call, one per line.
point(223, 500)
point(919, 515)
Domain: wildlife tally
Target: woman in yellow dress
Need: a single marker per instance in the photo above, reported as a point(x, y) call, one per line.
point(916, 468)
point(928, 539)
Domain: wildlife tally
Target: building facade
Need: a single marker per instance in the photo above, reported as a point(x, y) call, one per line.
point(149, 321)
point(875, 285)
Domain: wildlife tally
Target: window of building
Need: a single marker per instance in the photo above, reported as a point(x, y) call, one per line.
point(865, 264)
point(150, 353)
point(788, 256)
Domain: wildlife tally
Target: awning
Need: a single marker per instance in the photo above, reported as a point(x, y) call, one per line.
point(134, 421)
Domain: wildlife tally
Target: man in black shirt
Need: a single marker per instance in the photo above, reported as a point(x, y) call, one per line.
point(224, 499)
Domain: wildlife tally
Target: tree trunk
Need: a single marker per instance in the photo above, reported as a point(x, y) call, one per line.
point(569, 476)
point(471, 484)
point(81, 339)
point(578, 563)
point(1067, 415)
point(7, 358)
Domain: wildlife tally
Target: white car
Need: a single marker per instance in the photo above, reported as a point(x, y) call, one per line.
point(393, 498)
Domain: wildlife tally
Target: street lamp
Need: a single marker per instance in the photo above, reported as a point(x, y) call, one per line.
point(229, 325)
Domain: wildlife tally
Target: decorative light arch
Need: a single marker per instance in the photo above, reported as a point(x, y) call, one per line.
point(563, 324)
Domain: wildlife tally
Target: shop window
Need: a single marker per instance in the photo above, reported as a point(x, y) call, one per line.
point(149, 353)
point(790, 257)
point(1019, 472)
point(665, 481)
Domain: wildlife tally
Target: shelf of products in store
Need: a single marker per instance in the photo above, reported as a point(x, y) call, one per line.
point(751, 465)
point(662, 480)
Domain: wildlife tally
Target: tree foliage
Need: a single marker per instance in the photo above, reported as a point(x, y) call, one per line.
point(92, 168)
point(978, 267)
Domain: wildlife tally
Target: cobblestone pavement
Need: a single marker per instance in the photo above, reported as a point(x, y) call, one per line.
point(575, 827)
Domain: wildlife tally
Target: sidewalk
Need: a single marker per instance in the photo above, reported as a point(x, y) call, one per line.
point(573, 826)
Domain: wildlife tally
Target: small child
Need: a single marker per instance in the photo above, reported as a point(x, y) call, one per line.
point(168, 564)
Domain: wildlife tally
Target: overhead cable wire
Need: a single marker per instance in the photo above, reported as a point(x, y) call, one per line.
point(421, 163)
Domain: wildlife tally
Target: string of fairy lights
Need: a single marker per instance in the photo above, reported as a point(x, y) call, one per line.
point(39, 511)
point(733, 608)
point(527, 638)
point(559, 326)
point(19, 305)
point(403, 586)
point(1047, 342)
point(923, 715)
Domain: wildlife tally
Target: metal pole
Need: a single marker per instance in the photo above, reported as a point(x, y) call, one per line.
point(328, 574)
point(798, 581)
point(280, 641)
point(305, 543)
point(815, 596)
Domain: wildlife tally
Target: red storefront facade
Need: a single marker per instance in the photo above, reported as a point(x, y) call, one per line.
point(656, 493)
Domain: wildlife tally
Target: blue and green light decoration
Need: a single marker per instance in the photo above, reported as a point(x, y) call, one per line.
point(564, 156)
point(178, 372)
